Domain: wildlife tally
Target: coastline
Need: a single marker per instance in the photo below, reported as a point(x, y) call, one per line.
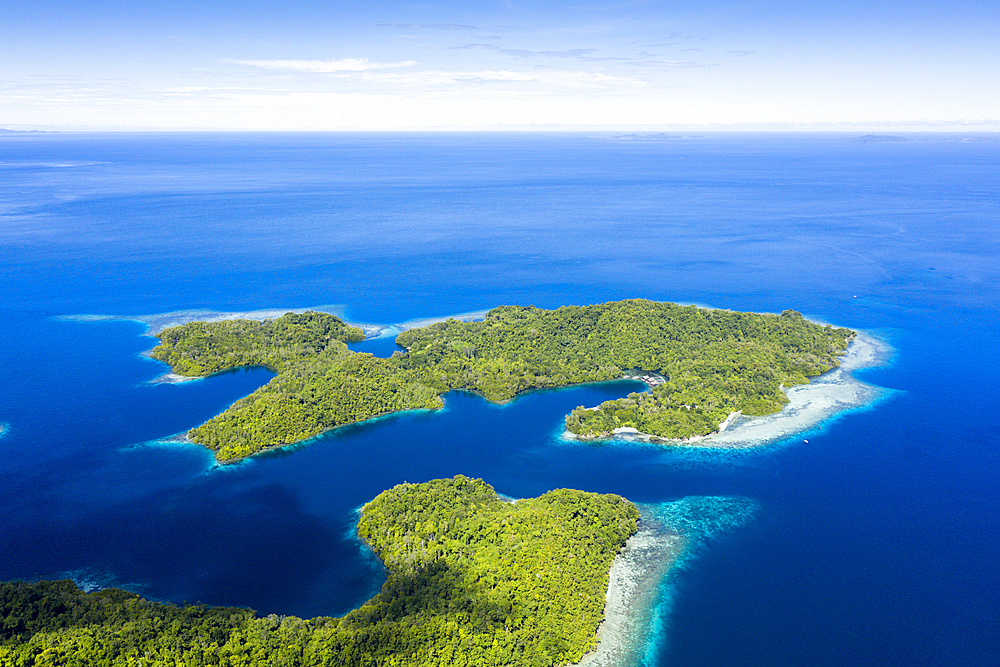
point(809, 405)
point(271, 449)
point(834, 392)
point(669, 535)
point(157, 322)
point(174, 378)
point(633, 588)
point(826, 395)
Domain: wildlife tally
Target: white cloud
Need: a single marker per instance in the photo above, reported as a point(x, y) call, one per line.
point(557, 78)
point(428, 26)
point(185, 90)
point(357, 94)
point(677, 63)
point(359, 72)
point(523, 53)
point(322, 66)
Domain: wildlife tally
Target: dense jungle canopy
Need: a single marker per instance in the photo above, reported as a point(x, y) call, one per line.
point(714, 362)
point(472, 580)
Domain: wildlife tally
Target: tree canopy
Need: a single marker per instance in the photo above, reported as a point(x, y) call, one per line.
point(319, 382)
point(715, 362)
point(472, 580)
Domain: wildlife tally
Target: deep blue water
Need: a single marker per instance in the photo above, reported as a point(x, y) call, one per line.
point(875, 544)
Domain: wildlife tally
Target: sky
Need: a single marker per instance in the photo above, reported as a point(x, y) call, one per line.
point(485, 65)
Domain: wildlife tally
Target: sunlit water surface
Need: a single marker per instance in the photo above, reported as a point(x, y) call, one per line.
point(875, 543)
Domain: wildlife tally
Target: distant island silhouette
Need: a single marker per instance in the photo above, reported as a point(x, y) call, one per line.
point(877, 139)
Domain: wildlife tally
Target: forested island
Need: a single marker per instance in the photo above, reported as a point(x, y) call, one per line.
point(714, 363)
point(472, 580)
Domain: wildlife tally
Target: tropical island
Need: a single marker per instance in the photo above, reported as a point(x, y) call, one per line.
point(710, 365)
point(472, 580)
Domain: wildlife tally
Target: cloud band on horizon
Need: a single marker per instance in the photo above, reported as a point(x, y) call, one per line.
point(322, 66)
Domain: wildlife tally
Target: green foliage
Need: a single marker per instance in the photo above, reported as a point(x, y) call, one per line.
point(473, 580)
point(54, 623)
point(202, 348)
point(715, 361)
point(320, 384)
point(310, 396)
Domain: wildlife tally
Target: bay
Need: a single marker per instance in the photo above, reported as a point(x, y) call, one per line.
point(873, 543)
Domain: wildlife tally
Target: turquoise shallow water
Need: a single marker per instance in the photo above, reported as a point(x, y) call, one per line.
point(875, 543)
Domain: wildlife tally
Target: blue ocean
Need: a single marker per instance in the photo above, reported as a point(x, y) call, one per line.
point(877, 542)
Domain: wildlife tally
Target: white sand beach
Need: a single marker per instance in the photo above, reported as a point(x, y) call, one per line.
point(160, 321)
point(834, 392)
point(825, 396)
point(810, 404)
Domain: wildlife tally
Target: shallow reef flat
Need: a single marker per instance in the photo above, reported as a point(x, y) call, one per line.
point(157, 322)
point(669, 534)
point(835, 392)
point(826, 396)
point(718, 363)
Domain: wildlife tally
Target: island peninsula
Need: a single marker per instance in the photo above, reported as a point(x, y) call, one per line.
point(472, 580)
point(712, 363)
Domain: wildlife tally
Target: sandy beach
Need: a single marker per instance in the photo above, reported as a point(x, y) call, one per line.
point(834, 392)
point(809, 405)
point(825, 396)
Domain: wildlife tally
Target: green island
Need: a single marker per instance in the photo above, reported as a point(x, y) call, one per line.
point(472, 580)
point(713, 363)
